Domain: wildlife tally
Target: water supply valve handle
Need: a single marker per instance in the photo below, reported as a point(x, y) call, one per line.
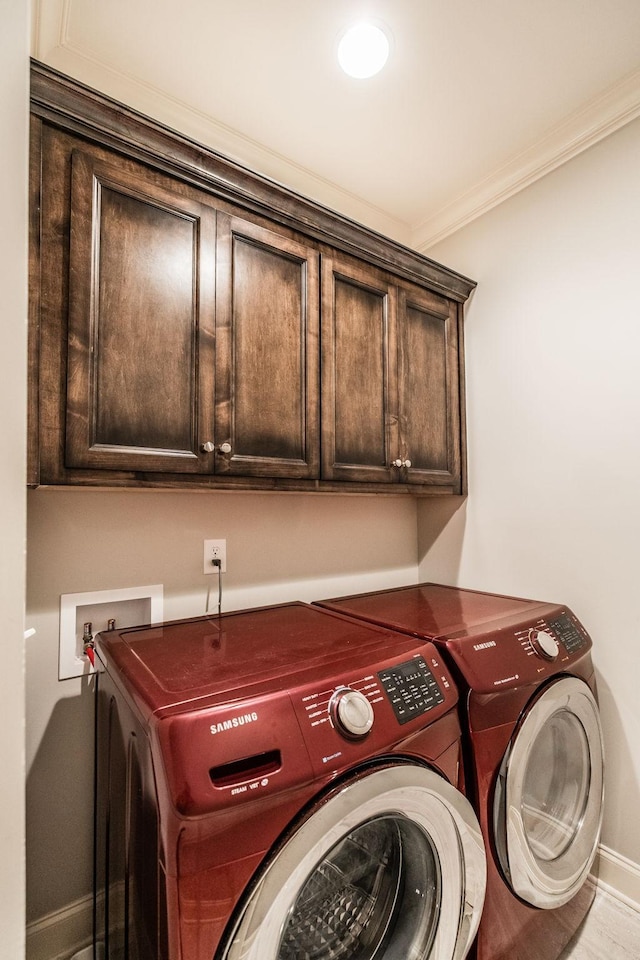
point(88, 646)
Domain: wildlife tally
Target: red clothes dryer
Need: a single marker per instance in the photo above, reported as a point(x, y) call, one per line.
point(533, 746)
point(281, 784)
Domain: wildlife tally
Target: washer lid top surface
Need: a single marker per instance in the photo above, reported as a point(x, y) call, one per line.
point(254, 651)
point(432, 610)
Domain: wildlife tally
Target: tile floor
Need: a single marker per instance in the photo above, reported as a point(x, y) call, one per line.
point(610, 932)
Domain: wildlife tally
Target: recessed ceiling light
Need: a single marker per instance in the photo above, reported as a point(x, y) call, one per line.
point(363, 50)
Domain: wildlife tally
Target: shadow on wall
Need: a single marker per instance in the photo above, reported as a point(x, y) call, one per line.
point(441, 527)
point(61, 779)
point(619, 766)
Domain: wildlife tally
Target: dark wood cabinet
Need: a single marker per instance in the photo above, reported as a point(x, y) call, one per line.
point(191, 331)
point(429, 388)
point(391, 379)
point(193, 334)
point(359, 372)
point(194, 325)
point(140, 363)
point(267, 320)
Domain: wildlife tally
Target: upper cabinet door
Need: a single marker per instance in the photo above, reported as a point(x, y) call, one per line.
point(429, 388)
point(267, 327)
point(359, 383)
point(390, 379)
point(141, 322)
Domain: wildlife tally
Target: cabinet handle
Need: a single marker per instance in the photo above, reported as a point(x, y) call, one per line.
point(209, 447)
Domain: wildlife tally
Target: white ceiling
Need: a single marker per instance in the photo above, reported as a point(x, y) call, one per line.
point(478, 99)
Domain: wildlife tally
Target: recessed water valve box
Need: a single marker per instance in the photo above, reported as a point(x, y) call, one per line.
point(83, 615)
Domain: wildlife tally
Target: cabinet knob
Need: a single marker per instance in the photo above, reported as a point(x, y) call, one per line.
point(225, 447)
point(406, 463)
point(208, 447)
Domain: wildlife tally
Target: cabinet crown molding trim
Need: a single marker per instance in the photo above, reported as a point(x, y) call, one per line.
point(72, 106)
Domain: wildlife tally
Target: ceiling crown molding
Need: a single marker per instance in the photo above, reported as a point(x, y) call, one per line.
point(599, 118)
point(606, 113)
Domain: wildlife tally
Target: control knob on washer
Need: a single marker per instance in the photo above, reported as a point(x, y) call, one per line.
point(351, 712)
point(544, 643)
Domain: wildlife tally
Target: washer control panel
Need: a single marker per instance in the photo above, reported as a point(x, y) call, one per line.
point(411, 688)
point(358, 714)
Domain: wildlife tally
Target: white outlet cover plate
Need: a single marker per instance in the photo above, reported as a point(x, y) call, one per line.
point(221, 550)
point(69, 663)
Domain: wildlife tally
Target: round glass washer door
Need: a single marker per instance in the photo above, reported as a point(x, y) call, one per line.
point(549, 795)
point(391, 866)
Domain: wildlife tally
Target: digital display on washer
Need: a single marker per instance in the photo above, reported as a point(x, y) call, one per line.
point(566, 631)
point(412, 689)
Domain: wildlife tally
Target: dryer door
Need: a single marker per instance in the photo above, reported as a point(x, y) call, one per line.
point(549, 795)
point(391, 865)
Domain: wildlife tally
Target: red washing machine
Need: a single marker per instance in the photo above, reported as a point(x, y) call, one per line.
point(533, 751)
point(281, 784)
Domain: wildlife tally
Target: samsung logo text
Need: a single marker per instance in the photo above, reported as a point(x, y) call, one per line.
point(234, 722)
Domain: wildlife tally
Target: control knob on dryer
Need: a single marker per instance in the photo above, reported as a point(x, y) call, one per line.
point(544, 643)
point(351, 712)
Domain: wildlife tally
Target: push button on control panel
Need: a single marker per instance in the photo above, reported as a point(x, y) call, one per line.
point(411, 688)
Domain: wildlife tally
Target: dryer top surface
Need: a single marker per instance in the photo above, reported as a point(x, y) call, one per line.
point(434, 611)
point(497, 642)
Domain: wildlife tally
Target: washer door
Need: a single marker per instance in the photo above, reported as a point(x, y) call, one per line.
point(549, 795)
point(390, 866)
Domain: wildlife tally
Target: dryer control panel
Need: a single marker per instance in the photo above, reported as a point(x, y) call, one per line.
point(515, 654)
point(566, 629)
point(552, 638)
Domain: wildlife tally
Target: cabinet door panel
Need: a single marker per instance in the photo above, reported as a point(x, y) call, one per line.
point(140, 323)
point(359, 382)
point(429, 387)
point(267, 352)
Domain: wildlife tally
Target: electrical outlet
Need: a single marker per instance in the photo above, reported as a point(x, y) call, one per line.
point(215, 550)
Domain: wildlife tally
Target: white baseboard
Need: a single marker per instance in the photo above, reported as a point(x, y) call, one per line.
point(618, 877)
point(61, 934)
